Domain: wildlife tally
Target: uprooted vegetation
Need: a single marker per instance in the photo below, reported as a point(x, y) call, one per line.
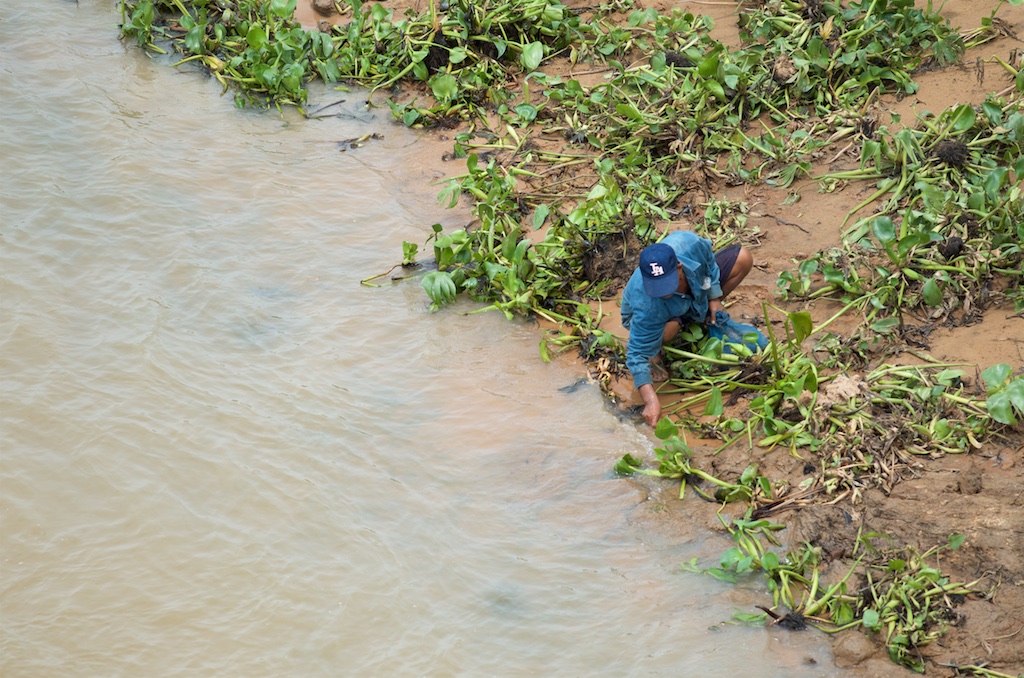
point(569, 176)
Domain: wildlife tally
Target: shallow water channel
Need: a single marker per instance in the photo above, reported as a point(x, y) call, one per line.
point(223, 456)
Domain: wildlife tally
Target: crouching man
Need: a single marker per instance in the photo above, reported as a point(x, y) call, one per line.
point(679, 280)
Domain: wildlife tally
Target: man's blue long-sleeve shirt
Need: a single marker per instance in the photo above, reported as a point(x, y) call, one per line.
point(645, 316)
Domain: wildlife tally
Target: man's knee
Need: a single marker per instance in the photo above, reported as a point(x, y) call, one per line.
point(740, 268)
point(744, 261)
point(672, 328)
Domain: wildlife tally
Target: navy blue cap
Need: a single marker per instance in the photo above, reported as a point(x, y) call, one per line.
point(660, 270)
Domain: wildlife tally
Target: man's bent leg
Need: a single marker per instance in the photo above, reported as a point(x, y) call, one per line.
point(735, 270)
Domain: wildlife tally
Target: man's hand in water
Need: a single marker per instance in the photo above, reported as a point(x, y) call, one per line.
point(652, 406)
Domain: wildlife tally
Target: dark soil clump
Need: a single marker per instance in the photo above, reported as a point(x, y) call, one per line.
point(324, 7)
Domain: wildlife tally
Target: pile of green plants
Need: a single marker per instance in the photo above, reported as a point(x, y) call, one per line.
point(464, 54)
point(890, 591)
point(852, 432)
point(651, 134)
point(948, 234)
point(674, 112)
point(853, 429)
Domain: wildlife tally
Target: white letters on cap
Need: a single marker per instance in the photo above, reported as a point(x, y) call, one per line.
point(656, 270)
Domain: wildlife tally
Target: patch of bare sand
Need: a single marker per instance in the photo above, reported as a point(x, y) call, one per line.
point(980, 495)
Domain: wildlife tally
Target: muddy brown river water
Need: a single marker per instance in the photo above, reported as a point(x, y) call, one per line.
point(223, 456)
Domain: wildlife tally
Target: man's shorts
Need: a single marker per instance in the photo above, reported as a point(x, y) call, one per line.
point(726, 259)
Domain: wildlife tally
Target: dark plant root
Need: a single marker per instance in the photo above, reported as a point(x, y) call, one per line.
point(612, 258)
point(791, 621)
point(678, 60)
point(437, 55)
point(867, 127)
point(485, 48)
point(953, 153)
point(448, 122)
point(751, 373)
point(813, 11)
point(970, 224)
point(951, 248)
